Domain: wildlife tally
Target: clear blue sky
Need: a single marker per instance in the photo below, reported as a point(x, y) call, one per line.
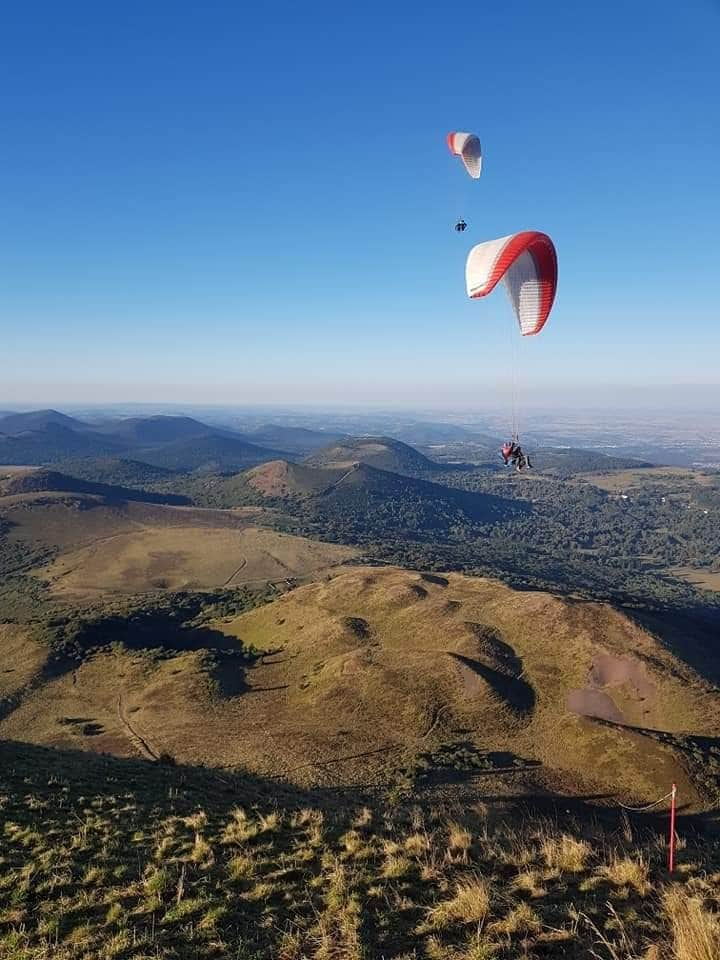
point(238, 202)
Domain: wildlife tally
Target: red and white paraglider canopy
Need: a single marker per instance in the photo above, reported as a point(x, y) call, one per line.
point(527, 262)
point(467, 147)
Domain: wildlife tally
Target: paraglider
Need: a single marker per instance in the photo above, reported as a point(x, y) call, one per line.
point(512, 453)
point(466, 146)
point(527, 264)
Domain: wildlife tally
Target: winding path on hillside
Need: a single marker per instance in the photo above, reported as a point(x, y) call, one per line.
point(236, 571)
point(132, 734)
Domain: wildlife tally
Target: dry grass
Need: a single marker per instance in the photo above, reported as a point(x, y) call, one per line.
point(521, 919)
point(530, 882)
point(694, 928)
point(631, 872)
point(459, 841)
point(566, 854)
point(469, 904)
point(185, 555)
point(170, 871)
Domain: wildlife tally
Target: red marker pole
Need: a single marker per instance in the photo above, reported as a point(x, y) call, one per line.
point(671, 850)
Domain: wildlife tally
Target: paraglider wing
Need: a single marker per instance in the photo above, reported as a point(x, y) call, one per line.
point(467, 147)
point(527, 262)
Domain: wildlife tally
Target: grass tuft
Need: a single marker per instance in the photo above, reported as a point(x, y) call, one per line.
point(695, 931)
point(566, 854)
point(469, 904)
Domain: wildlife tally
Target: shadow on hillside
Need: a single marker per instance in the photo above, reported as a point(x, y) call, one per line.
point(40, 769)
point(700, 754)
point(227, 666)
point(515, 692)
point(463, 761)
point(45, 773)
point(689, 634)
point(158, 633)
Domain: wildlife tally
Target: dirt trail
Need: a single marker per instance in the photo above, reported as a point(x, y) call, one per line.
point(132, 734)
point(235, 572)
point(349, 473)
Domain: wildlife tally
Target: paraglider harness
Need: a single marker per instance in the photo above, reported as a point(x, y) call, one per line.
point(512, 453)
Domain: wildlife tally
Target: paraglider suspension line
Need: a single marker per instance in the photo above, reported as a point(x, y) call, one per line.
point(514, 401)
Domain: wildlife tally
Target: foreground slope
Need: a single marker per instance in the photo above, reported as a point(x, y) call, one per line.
point(387, 660)
point(122, 859)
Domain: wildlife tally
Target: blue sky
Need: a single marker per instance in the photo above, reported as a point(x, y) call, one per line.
point(232, 202)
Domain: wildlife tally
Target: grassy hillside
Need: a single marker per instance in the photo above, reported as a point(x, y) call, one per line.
point(101, 547)
point(282, 479)
point(113, 859)
point(377, 675)
point(429, 664)
point(383, 453)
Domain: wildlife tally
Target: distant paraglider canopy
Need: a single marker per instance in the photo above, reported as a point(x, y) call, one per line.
point(467, 147)
point(527, 263)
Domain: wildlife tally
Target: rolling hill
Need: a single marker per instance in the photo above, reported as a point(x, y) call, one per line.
point(40, 480)
point(54, 442)
point(299, 441)
point(382, 453)
point(370, 506)
point(115, 471)
point(375, 673)
point(178, 443)
point(569, 462)
point(207, 454)
point(279, 478)
point(140, 432)
point(16, 423)
point(356, 503)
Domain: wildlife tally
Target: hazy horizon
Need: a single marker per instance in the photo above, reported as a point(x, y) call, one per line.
point(679, 398)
